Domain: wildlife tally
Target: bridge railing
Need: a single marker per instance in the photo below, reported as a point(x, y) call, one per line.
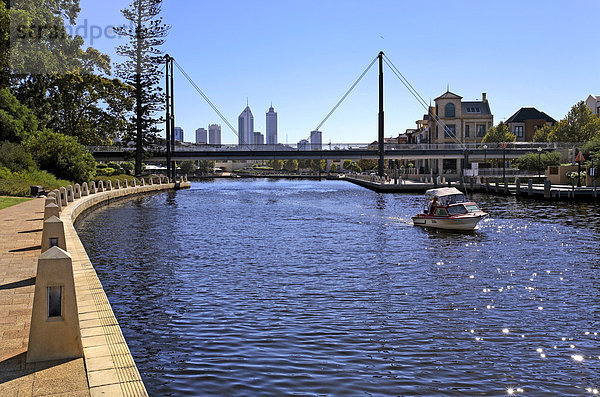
point(525, 146)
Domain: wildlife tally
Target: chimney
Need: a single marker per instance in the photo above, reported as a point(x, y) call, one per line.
point(483, 97)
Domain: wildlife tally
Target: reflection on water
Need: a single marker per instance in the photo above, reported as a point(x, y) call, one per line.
point(324, 288)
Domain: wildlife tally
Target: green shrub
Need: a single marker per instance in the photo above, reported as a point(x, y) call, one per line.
point(106, 172)
point(19, 183)
point(531, 161)
point(113, 178)
point(63, 156)
point(14, 157)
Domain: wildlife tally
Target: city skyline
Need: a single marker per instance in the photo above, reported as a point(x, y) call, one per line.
point(534, 54)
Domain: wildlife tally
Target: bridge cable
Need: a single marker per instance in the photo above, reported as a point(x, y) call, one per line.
point(421, 101)
point(347, 93)
point(207, 100)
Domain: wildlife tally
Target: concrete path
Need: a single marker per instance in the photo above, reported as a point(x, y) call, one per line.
point(20, 236)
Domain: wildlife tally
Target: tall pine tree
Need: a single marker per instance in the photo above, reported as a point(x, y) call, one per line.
point(141, 69)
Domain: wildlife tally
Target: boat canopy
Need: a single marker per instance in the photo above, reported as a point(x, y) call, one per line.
point(442, 192)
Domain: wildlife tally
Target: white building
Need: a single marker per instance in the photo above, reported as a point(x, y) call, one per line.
point(316, 140)
point(246, 127)
point(271, 126)
point(593, 103)
point(178, 134)
point(201, 136)
point(259, 138)
point(214, 134)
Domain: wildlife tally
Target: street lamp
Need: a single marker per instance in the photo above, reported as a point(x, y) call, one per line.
point(485, 153)
point(539, 150)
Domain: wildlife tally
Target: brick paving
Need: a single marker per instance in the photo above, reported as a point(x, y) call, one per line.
point(20, 236)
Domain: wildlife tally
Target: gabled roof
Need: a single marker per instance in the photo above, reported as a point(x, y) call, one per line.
point(524, 114)
point(448, 95)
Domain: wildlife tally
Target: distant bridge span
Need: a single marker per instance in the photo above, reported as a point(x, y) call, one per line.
point(411, 152)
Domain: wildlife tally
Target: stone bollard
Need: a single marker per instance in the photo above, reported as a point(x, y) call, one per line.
point(63, 197)
point(547, 188)
point(150, 181)
point(109, 186)
point(85, 190)
point(117, 184)
point(54, 333)
point(518, 186)
point(125, 185)
point(530, 187)
point(51, 209)
point(100, 186)
point(70, 194)
point(77, 191)
point(56, 194)
point(50, 199)
point(142, 182)
point(133, 182)
point(53, 234)
point(93, 188)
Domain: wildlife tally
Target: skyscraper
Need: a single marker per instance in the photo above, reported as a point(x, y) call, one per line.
point(246, 127)
point(214, 134)
point(259, 138)
point(179, 134)
point(201, 136)
point(271, 126)
point(316, 140)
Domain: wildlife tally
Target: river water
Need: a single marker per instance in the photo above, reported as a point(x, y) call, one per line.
point(273, 288)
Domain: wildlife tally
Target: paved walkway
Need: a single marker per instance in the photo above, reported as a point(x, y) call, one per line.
point(20, 236)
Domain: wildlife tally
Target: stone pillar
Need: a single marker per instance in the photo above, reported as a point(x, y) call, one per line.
point(100, 186)
point(133, 183)
point(530, 187)
point(109, 186)
point(125, 185)
point(150, 181)
point(85, 190)
point(117, 184)
point(547, 188)
point(54, 333)
point(142, 182)
point(69, 194)
point(77, 191)
point(56, 195)
point(53, 234)
point(51, 209)
point(63, 197)
point(93, 188)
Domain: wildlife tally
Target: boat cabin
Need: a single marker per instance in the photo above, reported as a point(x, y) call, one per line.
point(449, 201)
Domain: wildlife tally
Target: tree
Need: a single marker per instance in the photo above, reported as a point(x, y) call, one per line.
point(500, 133)
point(535, 161)
point(318, 165)
point(333, 168)
point(15, 157)
point(17, 121)
point(63, 156)
point(366, 165)
point(347, 164)
point(187, 167)
point(206, 166)
point(142, 68)
point(544, 134)
point(290, 165)
point(579, 125)
point(303, 164)
point(277, 165)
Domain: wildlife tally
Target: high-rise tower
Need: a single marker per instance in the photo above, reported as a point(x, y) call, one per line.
point(246, 127)
point(271, 126)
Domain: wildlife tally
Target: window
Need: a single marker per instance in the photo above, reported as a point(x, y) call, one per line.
point(450, 131)
point(54, 301)
point(449, 110)
point(480, 130)
point(519, 131)
point(457, 209)
point(440, 212)
point(467, 130)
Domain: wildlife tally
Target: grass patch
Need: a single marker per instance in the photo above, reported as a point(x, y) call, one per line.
point(6, 202)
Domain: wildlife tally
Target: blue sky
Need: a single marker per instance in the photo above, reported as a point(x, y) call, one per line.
point(303, 55)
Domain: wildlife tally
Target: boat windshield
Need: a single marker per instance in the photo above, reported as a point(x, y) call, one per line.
point(457, 209)
point(452, 199)
point(472, 208)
